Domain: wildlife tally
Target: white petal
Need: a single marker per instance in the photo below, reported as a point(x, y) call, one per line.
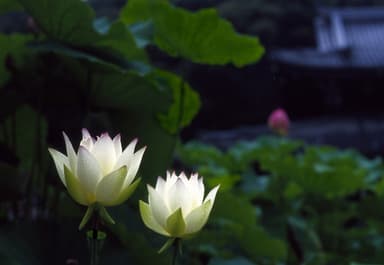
point(194, 187)
point(149, 220)
point(168, 176)
point(104, 152)
point(108, 188)
point(127, 154)
point(72, 157)
point(179, 197)
point(160, 186)
point(170, 181)
point(88, 170)
point(60, 160)
point(133, 166)
point(85, 133)
point(201, 190)
point(117, 144)
point(184, 178)
point(212, 195)
point(87, 140)
point(159, 209)
point(198, 217)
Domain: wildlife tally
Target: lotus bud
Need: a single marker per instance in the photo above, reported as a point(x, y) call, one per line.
point(279, 122)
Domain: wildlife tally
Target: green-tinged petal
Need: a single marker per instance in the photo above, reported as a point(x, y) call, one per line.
point(60, 161)
point(198, 218)
point(87, 216)
point(149, 220)
point(126, 192)
point(175, 224)
point(166, 245)
point(134, 165)
point(159, 209)
point(108, 188)
point(105, 216)
point(74, 187)
point(88, 170)
point(212, 195)
point(72, 158)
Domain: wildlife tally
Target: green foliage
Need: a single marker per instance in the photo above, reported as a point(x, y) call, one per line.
point(194, 36)
point(67, 21)
point(305, 204)
point(79, 71)
point(186, 102)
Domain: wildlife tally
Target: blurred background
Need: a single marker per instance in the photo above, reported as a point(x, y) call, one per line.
point(196, 81)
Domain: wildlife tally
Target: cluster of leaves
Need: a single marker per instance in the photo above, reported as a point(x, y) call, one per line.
point(74, 70)
point(286, 202)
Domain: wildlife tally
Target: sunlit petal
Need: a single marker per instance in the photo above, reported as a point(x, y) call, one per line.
point(88, 170)
point(159, 210)
point(117, 145)
point(149, 220)
point(60, 160)
point(70, 153)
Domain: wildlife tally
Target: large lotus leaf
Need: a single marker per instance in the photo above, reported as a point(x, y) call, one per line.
point(134, 103)
point(69, 21)
point(201, 37)
point(116, 49)
point(186, 101)
point(119, 38)
point(99, 58)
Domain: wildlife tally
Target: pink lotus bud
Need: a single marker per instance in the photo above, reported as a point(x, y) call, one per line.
point(279, 122)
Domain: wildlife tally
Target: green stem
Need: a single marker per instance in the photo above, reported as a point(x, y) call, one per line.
point(95, 240)
point(176, 250)
point(94, 248)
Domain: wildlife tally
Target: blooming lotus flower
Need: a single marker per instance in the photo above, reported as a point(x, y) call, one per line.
point(176, 206)
point(100, 172)
point(279, 122)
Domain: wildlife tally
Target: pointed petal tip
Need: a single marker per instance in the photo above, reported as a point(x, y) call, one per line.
point(149, 187)
point(134, 141)
point(85, 132)
point(141, 150)
point(117, 137)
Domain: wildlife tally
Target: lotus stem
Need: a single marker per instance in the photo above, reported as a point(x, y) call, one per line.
point(95, 240)
point(176, 250)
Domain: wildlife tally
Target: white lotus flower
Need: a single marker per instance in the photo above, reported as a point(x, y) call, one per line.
point(100, 172)
point(176, 206)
